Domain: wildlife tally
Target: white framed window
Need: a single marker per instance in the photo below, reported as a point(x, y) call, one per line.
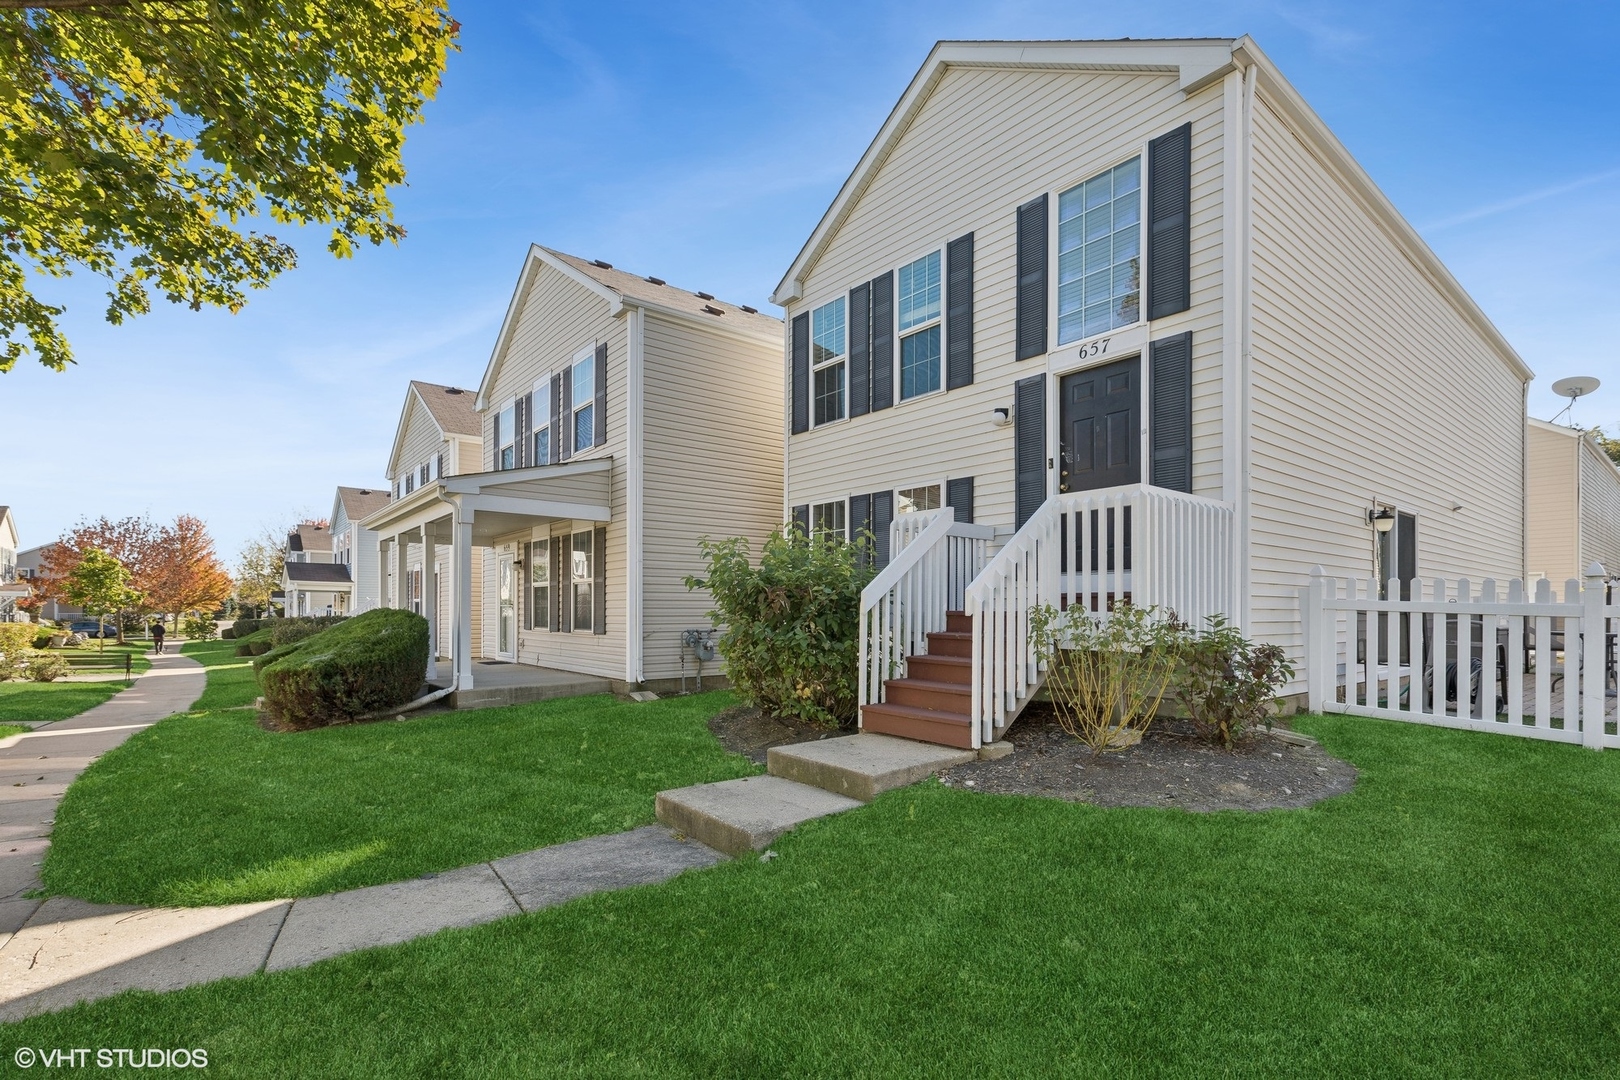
point(542, 446)
point(584, 403)
point(1099, 279)
point(918, 289)
point(914, 500)
point(581, 579)
point(506, 437)
point(425, 472)
point(540, 584)
point(410, 483)
point(828, 337)
point(829, 520)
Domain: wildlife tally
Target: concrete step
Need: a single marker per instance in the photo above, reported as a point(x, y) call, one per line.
point(862, 766)
point(946, 669)
point(950, 643)
point(735, 816)
point(924, 725)
point(958, 622)
point(950, 697)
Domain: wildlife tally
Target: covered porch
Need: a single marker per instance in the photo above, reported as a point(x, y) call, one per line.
point(445, 520)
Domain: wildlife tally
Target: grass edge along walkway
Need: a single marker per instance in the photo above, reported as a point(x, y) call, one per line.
point(1450, 916)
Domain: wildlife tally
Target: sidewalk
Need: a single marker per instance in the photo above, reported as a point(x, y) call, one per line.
point(36, 768)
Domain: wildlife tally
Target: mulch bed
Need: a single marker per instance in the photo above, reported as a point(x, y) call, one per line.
point(744, 730)
point(1169, 767)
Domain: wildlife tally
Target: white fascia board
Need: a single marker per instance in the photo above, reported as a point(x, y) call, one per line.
point(1310, 127)
point(530, 506)
point(474, 483)
point(1197, 62)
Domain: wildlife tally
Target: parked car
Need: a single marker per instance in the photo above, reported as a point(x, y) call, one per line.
point(91, 628)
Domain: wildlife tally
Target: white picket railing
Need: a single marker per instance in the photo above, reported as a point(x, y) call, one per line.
point(932, 558)
point(1148, 545)
point(1464, 657)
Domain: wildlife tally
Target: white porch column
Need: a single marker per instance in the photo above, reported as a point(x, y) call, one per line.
point(402, 547)
point(461, 571)
point(430, 601)
point(382, 572)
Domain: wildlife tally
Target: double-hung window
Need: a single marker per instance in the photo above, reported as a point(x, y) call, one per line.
point(542, 446)
point(914, 500)
point(827, 338)
point(580, 579)
point(410, 482)
point(540, 585)
point(506, 438)
point(1100, 253)
point(828, 521)
point(584, 403)
point(919, 326)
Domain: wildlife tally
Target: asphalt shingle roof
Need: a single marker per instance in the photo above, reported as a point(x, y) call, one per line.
point(665, 295)
point(452, 408)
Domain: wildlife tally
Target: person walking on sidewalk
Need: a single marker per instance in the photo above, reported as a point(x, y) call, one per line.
point(157, 635)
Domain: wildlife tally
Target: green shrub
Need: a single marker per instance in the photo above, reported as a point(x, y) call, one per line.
point(17, 637)
point(255, 644)
point(228, 634)
point(291, 631)
point(792, 624)
point(42, 636)
point(361, 665)
point(1227, 683)
point(245, 627)
point(199, 627)
point(46, 666)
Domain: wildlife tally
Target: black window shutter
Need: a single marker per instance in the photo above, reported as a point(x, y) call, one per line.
point(556, 418)
point(567, 590)
point(440, 473)
point(860, 350)
point(565, 445)
point(959, 312)
point(599, 581)
point(801, 518)
point(860, 516)
point(1169, 245)
point(555, 616)
point(1031, 318)
point(882, 518)
point(883, 341)
point(1029, 445)
point(524, 590)
point(801, 373)
point(522, 424)
point(1170, 411)
point(599, 421)
point(959, 496)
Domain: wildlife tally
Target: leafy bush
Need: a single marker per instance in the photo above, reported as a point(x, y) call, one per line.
point(11, 665)
point(289, 631)
point(228, 634)
point(46, 666)
point(199, 627)
point(1228, 684)
point(361, 665)
point(1107, 672)
point(16, 637)
point(255, 644)
point(245, 627)
point(42, 636)
point(792, 623)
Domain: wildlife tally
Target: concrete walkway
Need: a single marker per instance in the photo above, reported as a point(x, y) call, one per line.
point(37, 767)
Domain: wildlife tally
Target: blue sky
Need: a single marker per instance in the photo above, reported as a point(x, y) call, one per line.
point(701, 143)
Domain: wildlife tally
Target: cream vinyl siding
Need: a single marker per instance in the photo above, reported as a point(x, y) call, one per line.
point(1367, 384)
point(986, 141)
point(1600, 510)
point(559, 317)
point(422, 440)
point(1552, 502)
point(712, 423)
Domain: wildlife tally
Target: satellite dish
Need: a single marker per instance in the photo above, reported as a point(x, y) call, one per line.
point(1575, 387)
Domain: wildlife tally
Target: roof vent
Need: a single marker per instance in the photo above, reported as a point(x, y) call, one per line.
point(656, 280)
point(705, 296)
point(453, 390)
point(603, 265)
point(750, 310)
point(365, 491)
point(712, 310)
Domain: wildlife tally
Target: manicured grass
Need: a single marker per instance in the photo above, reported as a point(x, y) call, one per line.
point(8, 730)
point(208, 808)
point(1452, 916)
point(41, 703)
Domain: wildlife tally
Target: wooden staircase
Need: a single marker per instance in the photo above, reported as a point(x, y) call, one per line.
point(933, 702)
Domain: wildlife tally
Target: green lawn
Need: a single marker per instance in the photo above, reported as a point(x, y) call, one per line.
point(207, 808)
point(8, 730)
point(1454, 915)
point(40, 703)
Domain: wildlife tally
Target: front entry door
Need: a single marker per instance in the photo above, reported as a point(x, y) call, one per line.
point(1100, 426)
point(507, 617)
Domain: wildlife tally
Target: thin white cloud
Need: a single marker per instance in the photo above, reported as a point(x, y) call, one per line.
point(1502, 207)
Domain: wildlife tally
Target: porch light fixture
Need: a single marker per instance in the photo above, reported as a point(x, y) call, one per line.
point(1001, 416)
point(1382, 519)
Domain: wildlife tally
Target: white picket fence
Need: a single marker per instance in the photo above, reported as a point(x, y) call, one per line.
point(1536, 665)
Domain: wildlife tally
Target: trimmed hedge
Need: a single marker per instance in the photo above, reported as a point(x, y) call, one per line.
point(288, 631)
point(255, 644)
point(362, 665)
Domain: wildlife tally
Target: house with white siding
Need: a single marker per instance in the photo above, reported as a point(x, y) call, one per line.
point(1137, 320)
point(13, 590)
point(312, 582)
point(1572, 502)
point(354, 547)
point(620, 420)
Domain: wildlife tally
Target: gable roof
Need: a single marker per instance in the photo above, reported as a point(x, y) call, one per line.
point(451, 408)
point(361, 502)
point(1196, 62)
point(308, 536)
point(622, 289)
point(326, 572)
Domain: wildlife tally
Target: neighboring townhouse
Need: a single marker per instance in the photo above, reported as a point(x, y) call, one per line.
point(1572, 504)
point(622, 420)
point(311, 582)
point(12, 588)
point(30, 565)
point(354, 547)
point(1131, 305)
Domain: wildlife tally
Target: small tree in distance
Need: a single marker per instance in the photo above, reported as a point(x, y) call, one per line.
point(100, 585)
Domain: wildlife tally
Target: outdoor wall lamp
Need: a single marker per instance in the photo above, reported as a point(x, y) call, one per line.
point(1382, 519)
point(1001, 416)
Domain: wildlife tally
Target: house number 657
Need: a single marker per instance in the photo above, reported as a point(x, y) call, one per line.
point(1096, 348)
